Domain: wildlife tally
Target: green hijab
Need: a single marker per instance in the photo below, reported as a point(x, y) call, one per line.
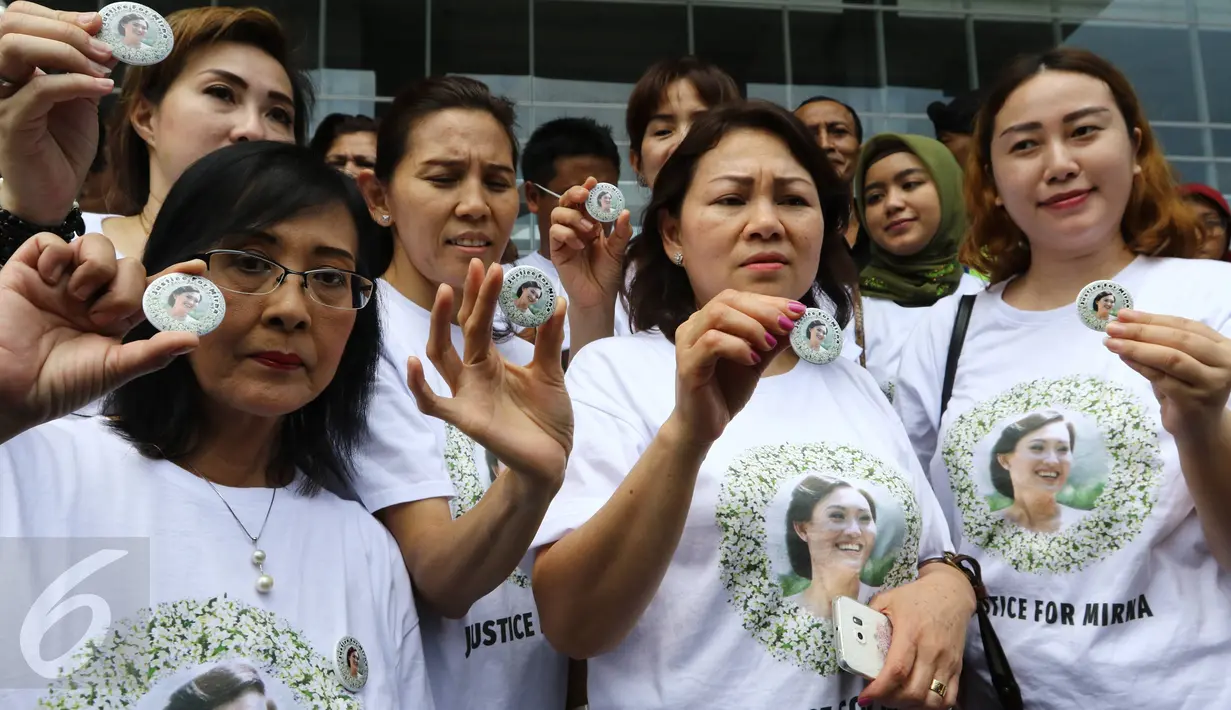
point(934, 272)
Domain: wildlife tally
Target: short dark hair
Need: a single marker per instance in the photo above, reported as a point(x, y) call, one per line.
point(219, 685)
point(336, 125)
point(528, 284)
point(566, 138)
point(429, 96)
point(713, 85)
point(660, 294)
point(854, 114)
point(129, 18)
point(804, 498)
point(1002, 481)
point(1098, 298)
point(194, 29)
point(238, 190)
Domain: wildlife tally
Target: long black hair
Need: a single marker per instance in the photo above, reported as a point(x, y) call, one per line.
point(242, 189)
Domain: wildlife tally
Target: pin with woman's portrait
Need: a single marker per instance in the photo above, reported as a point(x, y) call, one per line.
point(817, 337)
point(605, 202)
point(528, 297)
point(184, 302)
point(136, 34)
point(1099, 302)
point(352, 664)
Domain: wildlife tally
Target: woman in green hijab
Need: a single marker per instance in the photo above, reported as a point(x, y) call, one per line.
point(908, 194)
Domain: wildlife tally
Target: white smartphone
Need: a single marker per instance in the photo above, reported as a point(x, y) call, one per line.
point(861, 637)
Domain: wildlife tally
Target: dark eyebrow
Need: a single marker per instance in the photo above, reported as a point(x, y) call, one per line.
point(239, 81)
point(456, 164)
point(745, 180)
point(901, 174)
point(1068, 118)
point(272, 240)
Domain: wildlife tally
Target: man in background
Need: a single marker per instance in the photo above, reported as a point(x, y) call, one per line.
point(955, 123)
point(561, 154)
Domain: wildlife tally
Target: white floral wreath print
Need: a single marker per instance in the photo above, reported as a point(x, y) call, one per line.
point(120, 668)
point(789, 632)
point(1120, 512)
point(467, 487)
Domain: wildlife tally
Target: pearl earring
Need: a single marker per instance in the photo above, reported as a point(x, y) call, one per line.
point(678, 258)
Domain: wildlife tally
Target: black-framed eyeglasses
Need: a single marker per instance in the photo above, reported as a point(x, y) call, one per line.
point(255, 275)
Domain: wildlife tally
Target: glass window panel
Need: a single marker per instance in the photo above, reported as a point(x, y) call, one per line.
point(1190, 170)
point(720, 34)
point(1216, 61)
point(1214, 11)
point(381, 36)
point(1222, 145)
point(833, 49)
point(1157, 61)
point(605, 41)
point(1139, 10)
point(924, 53)
point(1223, 173)
point(997, 43)
point(1180, 141)
point(300, 21)
point(480, 37)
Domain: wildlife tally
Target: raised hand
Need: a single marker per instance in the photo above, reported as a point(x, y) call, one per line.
point(55, 72)
point(721, 352)
point(590, 261)
point(1187, 363)
point(523, 415)
point(64, 309)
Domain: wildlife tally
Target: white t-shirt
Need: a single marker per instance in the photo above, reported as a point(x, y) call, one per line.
point(173, 576)
point(414, 457)
point(94, 221)
point(1105, 591)
point(721, 632)
point(887, 325)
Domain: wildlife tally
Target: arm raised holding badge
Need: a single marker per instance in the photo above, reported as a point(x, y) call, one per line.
point(1189, 366)
point(590, 260)
point(65, 309)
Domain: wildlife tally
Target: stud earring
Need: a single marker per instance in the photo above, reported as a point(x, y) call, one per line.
point(384, 219)
point(678, 258)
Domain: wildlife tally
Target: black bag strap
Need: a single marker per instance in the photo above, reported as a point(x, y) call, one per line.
point(960, 323)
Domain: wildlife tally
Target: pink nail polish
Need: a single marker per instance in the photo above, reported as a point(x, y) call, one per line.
point(771, 341)
point(786, 323)
point(797, 307)
point(756, 358)
point(863, 703)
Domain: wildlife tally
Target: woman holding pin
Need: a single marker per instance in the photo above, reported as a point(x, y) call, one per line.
point(228, 79)
point(687, 433)
point(221, 451)
point(1097, 476)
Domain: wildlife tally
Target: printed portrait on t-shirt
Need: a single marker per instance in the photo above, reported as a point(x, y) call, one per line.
point(1054, 475)
point(804, 524)
point(216, 653)
point(472, 470)
point(839, 534)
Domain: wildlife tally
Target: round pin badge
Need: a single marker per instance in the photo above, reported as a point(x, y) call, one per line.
point(817, 337)
point(528, 297)
point(136, 34)
point(605, 202)
point(1099, 302)
point(352, 664)
point(184, 302)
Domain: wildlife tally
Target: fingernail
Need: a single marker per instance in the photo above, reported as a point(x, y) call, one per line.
point(183, 351)
point(863, 702)
point(786, 323)
point(587, 225)
point(797, 307)
point(86, 18)
point(100, 45)
point(100, 69)
point(771, 341)
point(756, 358)
point(107, 84)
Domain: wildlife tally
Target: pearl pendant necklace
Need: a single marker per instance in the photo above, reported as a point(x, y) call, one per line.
point(265, 582)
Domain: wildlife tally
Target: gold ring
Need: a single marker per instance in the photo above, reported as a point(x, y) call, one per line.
point(938, 687)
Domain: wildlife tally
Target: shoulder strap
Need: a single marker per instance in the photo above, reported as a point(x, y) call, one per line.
point(960, 323)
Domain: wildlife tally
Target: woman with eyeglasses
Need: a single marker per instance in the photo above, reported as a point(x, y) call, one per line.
point(229, 79)
point(213, 465)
